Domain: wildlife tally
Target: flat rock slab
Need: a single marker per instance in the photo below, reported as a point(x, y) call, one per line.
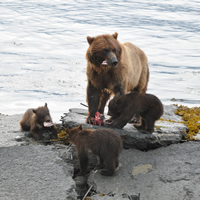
point(35, 172)
point(31, 171)
point(10, 129)
point(166, 173)
point(167, 133)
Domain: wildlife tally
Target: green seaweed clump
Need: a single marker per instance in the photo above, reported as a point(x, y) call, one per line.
point(191, 118)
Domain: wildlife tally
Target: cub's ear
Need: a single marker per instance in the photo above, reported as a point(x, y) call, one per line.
point(34, 110)
point(45, 104)
point(90, 40)
point(115, 35)
point(80, 127)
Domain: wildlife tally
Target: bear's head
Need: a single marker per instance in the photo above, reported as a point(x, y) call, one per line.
point(73, 132)
point(115, 106)
point(42, 114)
point(104, 50)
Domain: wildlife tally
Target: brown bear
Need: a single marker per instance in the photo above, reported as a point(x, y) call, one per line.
point(104, 143)
point(140, 108)
point(113, 68)
point(37, 120)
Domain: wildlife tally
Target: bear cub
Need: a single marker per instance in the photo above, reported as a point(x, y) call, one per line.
point(104, 143)
point(142, 108)
point(36, 121)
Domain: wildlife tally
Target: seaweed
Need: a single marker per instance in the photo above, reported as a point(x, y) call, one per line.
point(169, 120)
point(191, 118)
point(63, 137)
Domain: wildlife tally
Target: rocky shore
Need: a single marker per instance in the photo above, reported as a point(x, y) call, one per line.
point(161, 165)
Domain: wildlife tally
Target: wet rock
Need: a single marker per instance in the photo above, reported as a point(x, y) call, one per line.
point(166, 173)
point(171, 172)
point(35, 172)
point(116, 197)
point(165, 133)
point(9, 130)
point(32, 171)
point(19, 138)
point(10, 133)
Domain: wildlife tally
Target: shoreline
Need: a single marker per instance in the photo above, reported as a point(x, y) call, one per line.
point(161, 169)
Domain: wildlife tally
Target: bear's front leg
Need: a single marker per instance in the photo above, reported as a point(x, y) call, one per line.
point(83, 162)
point(119, 122)
point(54, 132)
point(37, 133)
point(104, 99)
point(93, 99)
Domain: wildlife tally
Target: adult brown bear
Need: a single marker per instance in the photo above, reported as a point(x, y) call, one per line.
point(113, 68)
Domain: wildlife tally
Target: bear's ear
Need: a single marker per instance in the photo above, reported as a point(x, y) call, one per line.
point(45, 104)
point(115, 35)
point(90, 40)
point(80, 127)
point(34, 110)
point(67, 130)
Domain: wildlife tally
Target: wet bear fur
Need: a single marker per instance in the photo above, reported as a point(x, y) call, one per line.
point(33, 121)
point(113, 68)
point(140, 108)
point(104, 143)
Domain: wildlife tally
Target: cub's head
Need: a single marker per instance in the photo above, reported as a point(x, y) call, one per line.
point(42, 114)
point(115, 106)
point(74, 131)
point(104, 50)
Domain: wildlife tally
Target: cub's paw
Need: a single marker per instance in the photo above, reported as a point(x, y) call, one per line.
point(105, 172)
point(145, 131)
point(99, 166)
point(108, 124)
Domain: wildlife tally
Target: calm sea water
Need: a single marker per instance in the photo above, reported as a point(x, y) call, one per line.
point(43, 45)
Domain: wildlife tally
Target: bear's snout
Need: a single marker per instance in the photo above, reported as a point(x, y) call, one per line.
point(48, 120)
point(114, 63)
point(112, 59)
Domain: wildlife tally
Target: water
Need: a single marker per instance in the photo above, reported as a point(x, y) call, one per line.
point(43, 45)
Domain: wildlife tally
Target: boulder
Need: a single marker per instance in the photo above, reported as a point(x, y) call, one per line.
point(166, 132)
